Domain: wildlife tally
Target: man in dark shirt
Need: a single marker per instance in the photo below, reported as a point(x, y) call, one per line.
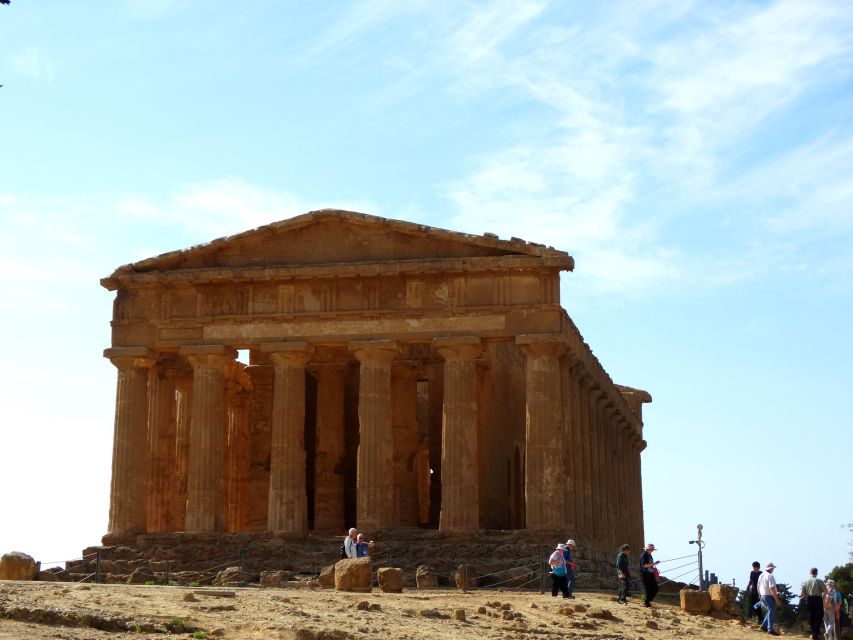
point(570, 566)
point(649, 573)
point(752, 593)
point(624, 573)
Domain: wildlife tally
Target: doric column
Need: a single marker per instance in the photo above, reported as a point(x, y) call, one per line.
point(570, 438)
point(636, 467)
point(544, 478)
point(375, 448)
point(460, 492)
point(205, 494)
point(624, 453)
point(237, 389)
point(404, 418)
point(329, 447)
point(130, 440)
point(183, 424)
point(161, 444)
point(610, 476)
point(597, 461)
point(288, 500)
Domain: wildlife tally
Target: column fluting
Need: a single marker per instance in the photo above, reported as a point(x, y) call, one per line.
point(544, 473)
point(376, 445)
point(460, 503)
point(288, 501)
point(329, 446)
point(205, 491)
point(130, 440)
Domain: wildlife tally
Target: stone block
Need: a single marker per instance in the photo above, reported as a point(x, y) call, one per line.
point(353, 574)
point(17, 566)
point(425, 577)
point(47, 576)
point(465, 577)
point(327, 577)
point(274, 578)
point(723, 597)
point(693, 601)
point(390, 579)
point(231, 575)
point(141, 575)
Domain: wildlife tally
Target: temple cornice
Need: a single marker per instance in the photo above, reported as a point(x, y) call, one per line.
point(127, 276)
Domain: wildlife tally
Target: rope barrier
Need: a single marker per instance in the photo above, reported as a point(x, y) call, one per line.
point(692, 555)
point(695, 562)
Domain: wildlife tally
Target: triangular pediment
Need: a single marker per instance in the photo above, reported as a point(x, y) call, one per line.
point(332, 236)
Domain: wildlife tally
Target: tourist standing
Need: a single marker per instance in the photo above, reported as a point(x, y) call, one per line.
point(769, 597)
point(752, 593)
point(557, 562)
point(649, 574)
point(362, 547)
point(831, 603)
point(623, 571)
point(813, 589)
point(349, 550)
point(570, 567)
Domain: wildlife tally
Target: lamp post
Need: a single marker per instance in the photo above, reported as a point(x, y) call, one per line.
point(698, 542)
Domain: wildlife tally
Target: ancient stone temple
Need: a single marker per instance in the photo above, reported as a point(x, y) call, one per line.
point(337, 369)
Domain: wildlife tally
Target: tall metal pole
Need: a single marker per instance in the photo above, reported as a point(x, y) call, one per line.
point(700, 544)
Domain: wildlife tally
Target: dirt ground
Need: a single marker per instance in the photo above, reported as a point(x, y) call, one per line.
point(81, 612)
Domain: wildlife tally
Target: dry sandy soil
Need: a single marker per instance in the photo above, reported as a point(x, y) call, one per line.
point(77, 612)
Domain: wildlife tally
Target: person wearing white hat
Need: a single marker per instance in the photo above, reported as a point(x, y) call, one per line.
point(649, 574)
point(558, 572)
point(570, 566)
point(831, 610)
point(770, 597)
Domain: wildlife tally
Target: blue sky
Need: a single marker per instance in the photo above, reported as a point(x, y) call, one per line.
point(695, 158)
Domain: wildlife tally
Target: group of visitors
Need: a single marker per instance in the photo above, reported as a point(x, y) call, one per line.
point(822, 599)
point(824, 603)
point(763, 596)
point(563, 569)
point(355, 546)
point(649, 574)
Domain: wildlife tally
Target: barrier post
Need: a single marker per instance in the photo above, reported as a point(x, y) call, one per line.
point(98, 566)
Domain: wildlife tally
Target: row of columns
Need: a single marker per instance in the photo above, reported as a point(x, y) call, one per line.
point(577, 464)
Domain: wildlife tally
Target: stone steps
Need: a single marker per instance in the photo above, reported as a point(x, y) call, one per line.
point(490, 554)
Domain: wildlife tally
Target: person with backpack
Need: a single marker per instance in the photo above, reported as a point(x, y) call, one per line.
point(348, 548)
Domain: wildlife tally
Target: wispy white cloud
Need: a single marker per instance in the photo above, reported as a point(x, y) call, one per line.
point(51, 247)
point(34, 63)
point(360, 20)
point(808, 189)
point(653, 118)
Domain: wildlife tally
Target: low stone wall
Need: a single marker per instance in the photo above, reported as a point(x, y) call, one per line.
point(494, 558)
